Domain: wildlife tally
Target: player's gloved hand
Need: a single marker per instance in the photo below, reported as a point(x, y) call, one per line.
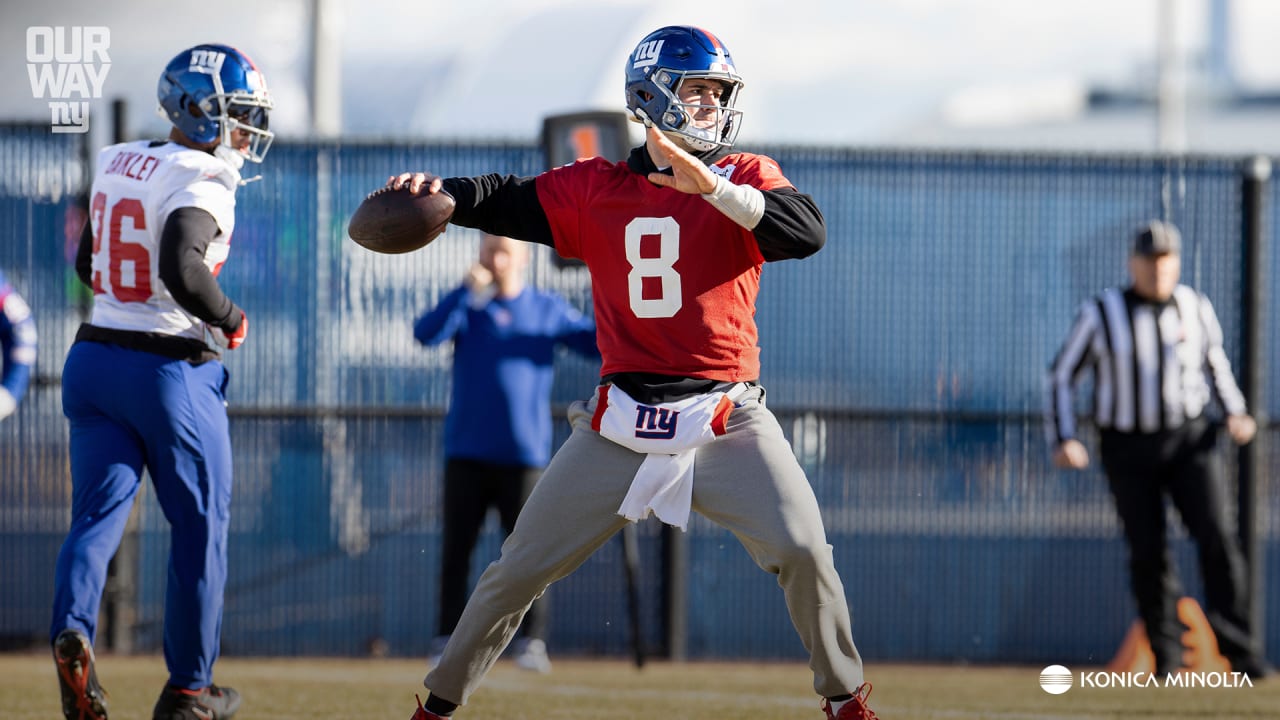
point(7, 403)
point(234, 339)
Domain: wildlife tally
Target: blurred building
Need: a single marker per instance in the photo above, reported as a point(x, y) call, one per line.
point(1189, 96)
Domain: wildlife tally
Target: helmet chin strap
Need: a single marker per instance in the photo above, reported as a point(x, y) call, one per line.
point(235, 159)
point(694, 144)
point(229, 155)
point(681, 141)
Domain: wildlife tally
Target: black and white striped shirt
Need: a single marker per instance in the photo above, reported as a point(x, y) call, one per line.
point(1155, 365)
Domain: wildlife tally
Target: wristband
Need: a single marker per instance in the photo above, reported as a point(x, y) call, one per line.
point(742, 204)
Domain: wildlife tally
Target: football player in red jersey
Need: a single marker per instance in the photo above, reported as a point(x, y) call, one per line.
point(674, 238)
point(144, 386)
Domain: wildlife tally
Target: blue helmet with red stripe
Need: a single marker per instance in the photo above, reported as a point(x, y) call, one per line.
point(663, 60)
point(210, 90)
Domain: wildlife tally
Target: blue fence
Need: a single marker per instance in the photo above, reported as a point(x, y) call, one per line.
point(905, 363)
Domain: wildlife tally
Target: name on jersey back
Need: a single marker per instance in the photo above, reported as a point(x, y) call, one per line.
point(138, 166)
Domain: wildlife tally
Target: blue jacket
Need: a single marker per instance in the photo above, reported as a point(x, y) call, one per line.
point(17, 341)
point(500, 404)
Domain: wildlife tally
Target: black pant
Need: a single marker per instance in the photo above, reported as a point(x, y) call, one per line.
point(471, 487)
point(1141, 469)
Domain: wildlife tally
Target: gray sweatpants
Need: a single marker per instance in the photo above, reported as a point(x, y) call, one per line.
point(746, 480)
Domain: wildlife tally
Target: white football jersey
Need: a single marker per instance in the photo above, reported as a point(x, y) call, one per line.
point(135, 189)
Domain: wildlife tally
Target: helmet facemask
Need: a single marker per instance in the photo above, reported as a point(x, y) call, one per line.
point(252, 120)
point(242, 110)
point(679, 119)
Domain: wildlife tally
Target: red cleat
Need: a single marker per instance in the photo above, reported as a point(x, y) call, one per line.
point(422, 714)
point(82, 697)
point(855, 709)
point(207, 703)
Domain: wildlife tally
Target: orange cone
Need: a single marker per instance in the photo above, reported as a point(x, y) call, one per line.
point(1201, 645)
point(1135, 654)
point(1200, 642)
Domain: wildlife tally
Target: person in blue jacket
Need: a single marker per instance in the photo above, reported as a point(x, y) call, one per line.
point(17, 348)
point(497, 434)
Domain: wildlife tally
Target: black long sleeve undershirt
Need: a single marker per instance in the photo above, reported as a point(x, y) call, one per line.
point(791, 227)
point(183, 242)
point(84, 256)
point(500, 205)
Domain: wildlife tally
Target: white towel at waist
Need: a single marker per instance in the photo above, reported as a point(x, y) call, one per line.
point(669, 434)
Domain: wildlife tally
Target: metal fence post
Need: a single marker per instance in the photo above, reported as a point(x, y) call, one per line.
point(1255, 177)
point(675, 606)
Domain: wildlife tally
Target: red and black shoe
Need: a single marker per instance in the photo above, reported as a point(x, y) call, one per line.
point(82, 697)
point(208, 703)
point(855, 709)
point(423, 714)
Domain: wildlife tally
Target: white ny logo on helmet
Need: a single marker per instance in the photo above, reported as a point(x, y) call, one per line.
point(647, 54)
point(207, 61)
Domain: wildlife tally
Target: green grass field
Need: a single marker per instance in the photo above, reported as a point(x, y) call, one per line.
point(318, 689)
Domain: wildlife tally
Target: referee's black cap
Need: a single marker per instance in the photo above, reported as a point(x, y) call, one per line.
point(1157, 238)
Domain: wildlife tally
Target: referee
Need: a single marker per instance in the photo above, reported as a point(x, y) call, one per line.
point(1155, 349)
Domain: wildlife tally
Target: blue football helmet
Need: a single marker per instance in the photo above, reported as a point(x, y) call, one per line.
point(664, 59)
point(210, 90)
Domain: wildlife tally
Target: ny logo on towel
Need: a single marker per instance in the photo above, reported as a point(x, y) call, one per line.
point(655, 423)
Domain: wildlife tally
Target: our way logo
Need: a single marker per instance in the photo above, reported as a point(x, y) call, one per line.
point(1055, 679)
point(68, 66)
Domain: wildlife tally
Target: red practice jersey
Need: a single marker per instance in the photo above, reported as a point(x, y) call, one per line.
point(674, 281)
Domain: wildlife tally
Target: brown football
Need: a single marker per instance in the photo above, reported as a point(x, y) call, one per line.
point(397, 221)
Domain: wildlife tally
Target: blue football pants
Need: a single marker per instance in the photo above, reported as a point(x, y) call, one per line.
point(129, 410)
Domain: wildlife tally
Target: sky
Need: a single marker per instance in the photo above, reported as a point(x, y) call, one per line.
point(847, 72)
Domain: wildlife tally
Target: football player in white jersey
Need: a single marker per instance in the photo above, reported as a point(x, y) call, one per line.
point(143, 384)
